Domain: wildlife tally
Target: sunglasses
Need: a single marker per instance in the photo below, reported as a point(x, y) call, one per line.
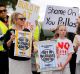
point(22, 19)
point(3, 10)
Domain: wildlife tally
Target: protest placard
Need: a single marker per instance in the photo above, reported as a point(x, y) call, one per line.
point(30, 11)
point(56, 15)
point(46, 58)
point(23, 44)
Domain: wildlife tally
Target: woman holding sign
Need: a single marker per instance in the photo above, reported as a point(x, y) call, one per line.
point(17, 64)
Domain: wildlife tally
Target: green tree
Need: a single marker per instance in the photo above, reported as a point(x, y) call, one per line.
point(11, 3)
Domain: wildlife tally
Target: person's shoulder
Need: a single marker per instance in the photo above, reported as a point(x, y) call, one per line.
point(70, 33)
point(68, 40)
point(10, 31)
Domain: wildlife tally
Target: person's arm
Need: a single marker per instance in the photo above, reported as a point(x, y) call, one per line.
point(9, 43)
point(69, 56)
point(6, 38)
point(12, 37)
point(67, 61)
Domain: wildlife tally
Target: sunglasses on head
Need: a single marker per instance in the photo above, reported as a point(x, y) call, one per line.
point(22, 19)
point(3, 10)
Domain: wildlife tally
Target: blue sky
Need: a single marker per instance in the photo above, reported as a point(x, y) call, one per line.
point(44, 3)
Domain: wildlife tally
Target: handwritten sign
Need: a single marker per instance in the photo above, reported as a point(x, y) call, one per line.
point(56, 15)
point(23, 42)
point(30, 11)
point(46, 57)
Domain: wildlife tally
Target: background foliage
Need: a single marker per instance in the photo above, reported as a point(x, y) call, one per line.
point(11, 3)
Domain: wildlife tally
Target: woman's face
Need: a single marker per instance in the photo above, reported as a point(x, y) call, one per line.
point(20, 20)
point(62, 31)
point(78, 20)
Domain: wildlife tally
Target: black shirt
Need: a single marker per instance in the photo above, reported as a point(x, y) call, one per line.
point(71, 36)
point(11, 49)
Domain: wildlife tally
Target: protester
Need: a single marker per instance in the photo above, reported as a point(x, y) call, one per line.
point(76, 44)
point(17, 64)
point(74, 56)
point(72, 62)
point(63, 53)
point(4, 69)
point(36, 37)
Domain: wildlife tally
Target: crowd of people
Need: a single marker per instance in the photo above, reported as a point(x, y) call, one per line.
point(22, 65)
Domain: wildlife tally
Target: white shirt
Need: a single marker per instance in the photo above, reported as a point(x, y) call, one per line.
point(64, 47)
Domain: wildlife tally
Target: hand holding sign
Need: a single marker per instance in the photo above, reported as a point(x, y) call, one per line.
point(61, 67)
point(12, 37)
point(46, 58)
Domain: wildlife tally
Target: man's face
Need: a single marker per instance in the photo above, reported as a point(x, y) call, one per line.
point(3, 12)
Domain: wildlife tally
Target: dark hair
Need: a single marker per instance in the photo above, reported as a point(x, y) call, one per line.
point(78, 29)
point(2, 5)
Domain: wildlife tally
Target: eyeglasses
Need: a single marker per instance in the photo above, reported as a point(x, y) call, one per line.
point(22, 19)
point(3, 10)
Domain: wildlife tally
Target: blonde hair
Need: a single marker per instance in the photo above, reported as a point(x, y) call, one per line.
point(60, 26)
point(14, 16)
